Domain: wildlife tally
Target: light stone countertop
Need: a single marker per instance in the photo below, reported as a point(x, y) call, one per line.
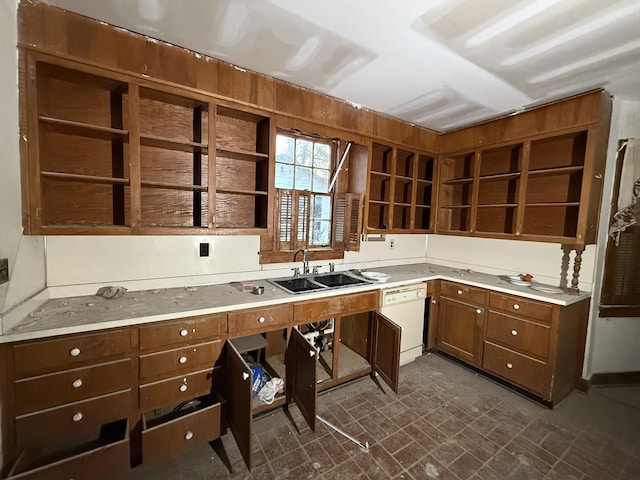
point(92, 312)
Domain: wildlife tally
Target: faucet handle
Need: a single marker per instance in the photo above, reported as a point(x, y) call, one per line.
point(296, 271)
point(314, 269)
point(332, 267)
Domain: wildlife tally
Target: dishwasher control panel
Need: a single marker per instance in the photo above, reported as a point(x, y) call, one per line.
point(393, 296)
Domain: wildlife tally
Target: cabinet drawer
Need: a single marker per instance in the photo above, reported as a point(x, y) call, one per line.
point(182, 331)
point(47, 356)
point(260, 318)
point(106, 458)
point(324, 308)
point(177, 389)
point(73, 418)
point(464, 293)
point(520, 306)
point(519, 369)
point(529, 337)
point(37, 393)
point(169, 363)
point(170, 438)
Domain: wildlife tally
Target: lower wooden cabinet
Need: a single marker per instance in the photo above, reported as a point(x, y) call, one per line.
point(461, 317)
point(519, 369)
point(533, 345)
point(358, 344)
point(167, 434)
point(103, 457)
point(177, 383)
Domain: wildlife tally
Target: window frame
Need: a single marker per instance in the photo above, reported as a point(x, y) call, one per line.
point(271, 251)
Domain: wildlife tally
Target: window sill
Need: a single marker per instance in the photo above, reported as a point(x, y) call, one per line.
point(286, 256)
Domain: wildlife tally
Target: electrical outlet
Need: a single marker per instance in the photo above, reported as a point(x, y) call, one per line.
point(391, 244)
point(204, 249)
point(4, 270)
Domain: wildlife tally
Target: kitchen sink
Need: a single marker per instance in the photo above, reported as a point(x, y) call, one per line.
point(314, 283)
point(298, 285)
point(339, 280)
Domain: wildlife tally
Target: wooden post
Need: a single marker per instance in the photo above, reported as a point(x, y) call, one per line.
point(577, 263)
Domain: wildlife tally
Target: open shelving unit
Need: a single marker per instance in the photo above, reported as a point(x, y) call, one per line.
point(242, 168)
point(401, 185)
point(530, 189)
point(174, 166)
point(119, 154)
point(83, 176)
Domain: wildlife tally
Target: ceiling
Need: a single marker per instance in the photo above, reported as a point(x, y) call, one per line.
point(441, 64)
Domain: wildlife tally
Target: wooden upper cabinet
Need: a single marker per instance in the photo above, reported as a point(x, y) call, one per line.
point(400, 190)
point(109, 153)
point(544, 184)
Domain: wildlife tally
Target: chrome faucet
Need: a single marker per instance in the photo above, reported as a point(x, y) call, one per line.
point(305, 260)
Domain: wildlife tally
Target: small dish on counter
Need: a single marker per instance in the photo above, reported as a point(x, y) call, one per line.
point(375, 276)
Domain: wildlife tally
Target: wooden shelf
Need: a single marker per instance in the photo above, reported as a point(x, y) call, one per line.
point(455, 207)
point(170, 144)
point(497, 205)
point(382, 175)
point(241, 192)
point(242, 154)
point(74, 177)
point(378, 202)
point(553, 204)
point(402, 179)
point(173, 186)
point(83, 129)
point(555, 171)
point(501, 176)
point(456, 181)
point(400, 204)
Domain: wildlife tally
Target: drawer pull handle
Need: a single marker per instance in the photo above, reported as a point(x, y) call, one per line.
point(74, 352)
point(184, 332)
point(312, 353)
point(183, 387)
point(188, 435)
point(509, 365)
point(182, 359)
point(261, 319)
point(459, 292)
point(245, 376)
point(77, 417)
point(478, 311)
point(516, 306)
point(77, 383)
point(514, 332)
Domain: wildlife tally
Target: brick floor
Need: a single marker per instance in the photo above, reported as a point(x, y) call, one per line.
point(446, 423)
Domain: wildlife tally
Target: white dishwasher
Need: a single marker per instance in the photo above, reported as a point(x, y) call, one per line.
point(405, 307)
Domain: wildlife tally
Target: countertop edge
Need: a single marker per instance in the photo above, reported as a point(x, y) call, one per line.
point(455, 275)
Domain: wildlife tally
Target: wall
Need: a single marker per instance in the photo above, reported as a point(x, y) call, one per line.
point(612, 343)
point(25, 254)
point(79, 265)
point(501, 257)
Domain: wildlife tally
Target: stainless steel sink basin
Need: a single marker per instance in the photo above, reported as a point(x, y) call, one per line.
point(339, 280)
point(297, 285)
point(314, 283)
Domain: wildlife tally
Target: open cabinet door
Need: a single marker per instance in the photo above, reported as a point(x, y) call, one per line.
point(301, 360)
point(385, 349)
point(239, 404)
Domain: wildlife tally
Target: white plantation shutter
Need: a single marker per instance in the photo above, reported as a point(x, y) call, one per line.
point(284, 200)
point(347, 221)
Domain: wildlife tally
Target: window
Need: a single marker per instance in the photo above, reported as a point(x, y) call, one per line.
point(302, 176)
